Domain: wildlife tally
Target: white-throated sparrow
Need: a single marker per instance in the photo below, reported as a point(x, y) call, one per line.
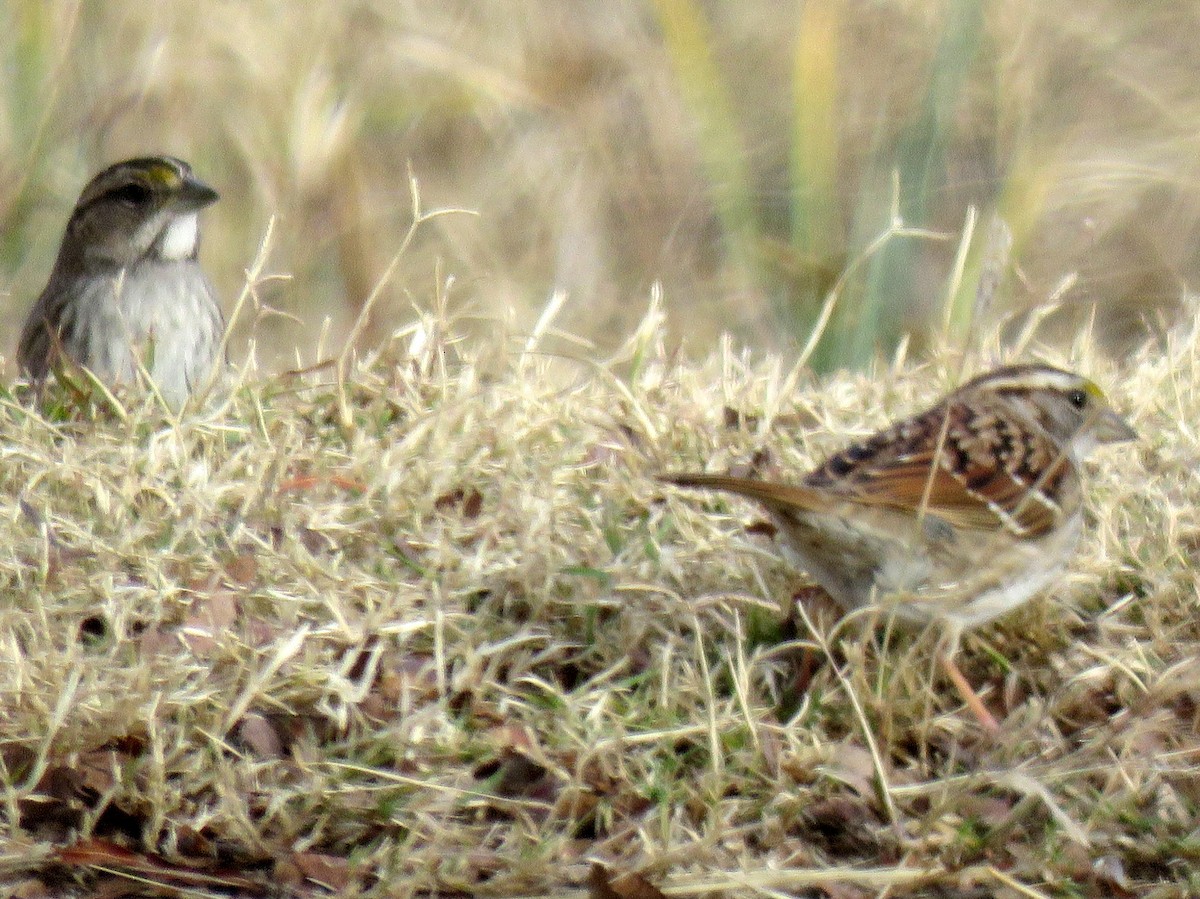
point(127, 290)
point(957, 514)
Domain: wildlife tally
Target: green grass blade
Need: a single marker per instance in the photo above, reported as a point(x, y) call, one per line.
point(689, 42)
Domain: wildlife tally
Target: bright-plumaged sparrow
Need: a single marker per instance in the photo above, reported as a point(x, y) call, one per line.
point(957, 514)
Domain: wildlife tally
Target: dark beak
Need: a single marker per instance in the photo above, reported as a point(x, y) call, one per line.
point(195, 194)
point(1112, 428)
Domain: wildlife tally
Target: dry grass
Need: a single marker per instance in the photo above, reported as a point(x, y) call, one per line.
point(466, 645)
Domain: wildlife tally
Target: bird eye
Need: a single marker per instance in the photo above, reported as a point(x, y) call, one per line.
point(1077, 398)
point(133, 194)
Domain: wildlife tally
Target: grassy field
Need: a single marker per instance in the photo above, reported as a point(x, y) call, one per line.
point(445, 635)
point(415, 618)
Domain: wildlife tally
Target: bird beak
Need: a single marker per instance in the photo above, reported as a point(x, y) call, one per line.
point(1112, 428)
point(194, 194)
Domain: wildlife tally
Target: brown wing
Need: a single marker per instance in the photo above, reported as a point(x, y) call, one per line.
point(968, 489)
point(41, 336)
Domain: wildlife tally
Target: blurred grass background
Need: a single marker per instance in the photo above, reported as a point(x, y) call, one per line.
point(747, 156)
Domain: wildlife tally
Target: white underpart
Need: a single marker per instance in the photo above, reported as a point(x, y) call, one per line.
point(179, 237)
point(160, 315)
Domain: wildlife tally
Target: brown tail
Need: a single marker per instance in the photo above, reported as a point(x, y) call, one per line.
point(769, 493)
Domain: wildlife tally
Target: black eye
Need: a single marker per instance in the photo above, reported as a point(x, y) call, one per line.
point(133, 194)
point(1077, 398)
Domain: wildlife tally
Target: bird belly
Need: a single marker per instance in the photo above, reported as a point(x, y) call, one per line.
point(1006, 581)
point(923, 573)
point(161, 316)
point(843, 558)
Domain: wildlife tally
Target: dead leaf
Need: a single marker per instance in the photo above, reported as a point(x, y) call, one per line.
point(260, 735)
point(599, 886)
point(58, 805)
point(212, 615)
point(468, 502)
point(191, 842)
point(329, 871)
point(305, 482)
point(104, 854)
point(852, 764)
point(631, 885)
point(514, 774)
point(349, 484)
point(316, 543)
point(801, 419)
point(514, 736)
point(96, 767)
point(243, 569)
point(157, 641)
point(287, 875)
point(364, 658)
point(415, 673)
point(449, 500)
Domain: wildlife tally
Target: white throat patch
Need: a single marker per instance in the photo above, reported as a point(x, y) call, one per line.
point(178, 240)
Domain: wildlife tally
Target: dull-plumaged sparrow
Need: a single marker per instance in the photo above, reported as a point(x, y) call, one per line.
point(127, 293)
point(957, 514)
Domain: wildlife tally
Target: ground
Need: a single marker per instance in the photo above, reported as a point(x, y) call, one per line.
point(437, 630)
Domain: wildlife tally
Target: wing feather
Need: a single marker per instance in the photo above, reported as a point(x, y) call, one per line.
point(943, 462)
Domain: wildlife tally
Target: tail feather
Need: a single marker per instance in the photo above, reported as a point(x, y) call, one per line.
point(771, 494)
